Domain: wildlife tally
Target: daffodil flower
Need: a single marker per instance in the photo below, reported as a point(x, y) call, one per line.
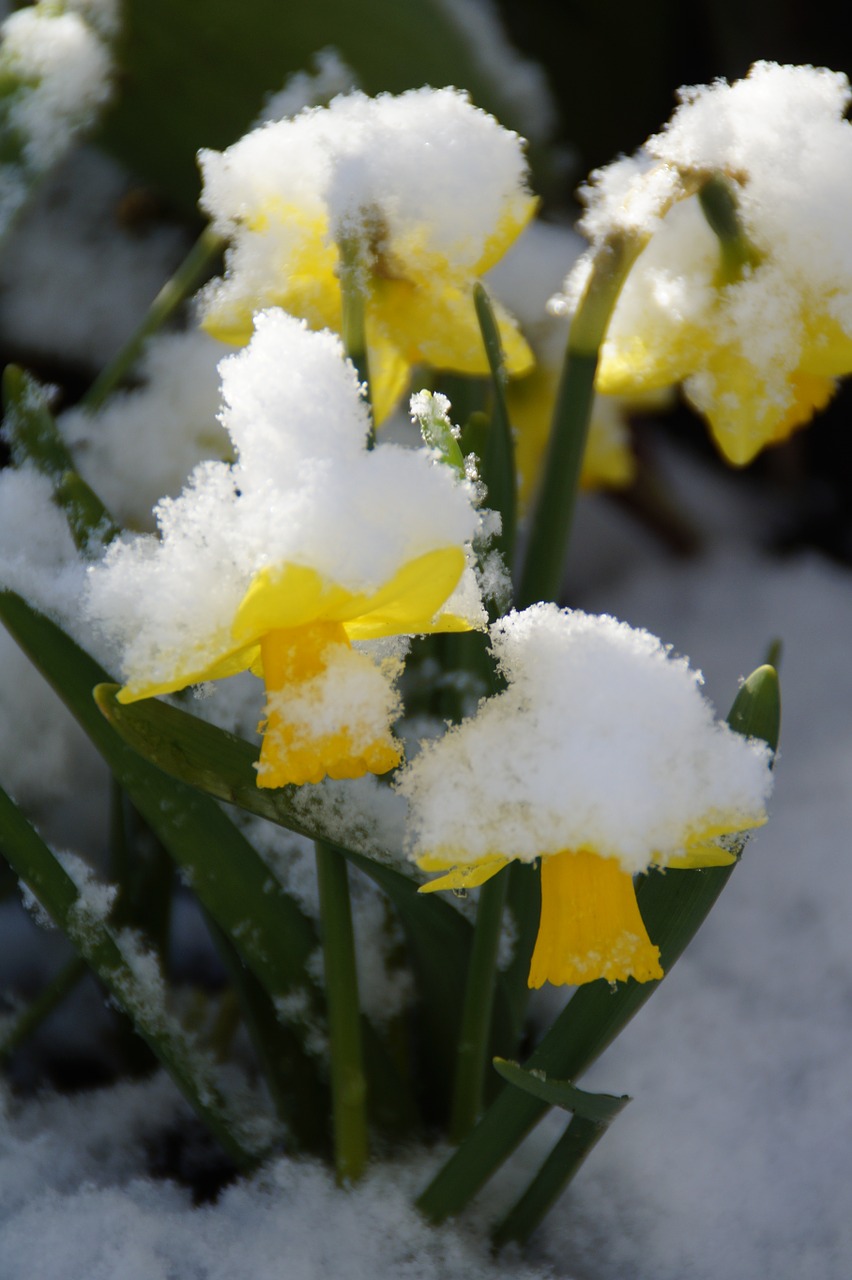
point(601, 759)
point(431, 188)
point(758, 348)
point(306, 545)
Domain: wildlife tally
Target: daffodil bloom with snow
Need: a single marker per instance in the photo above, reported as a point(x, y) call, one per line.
point(759, 340)
point(430, 188)
point(602, 759)
point(279, 562)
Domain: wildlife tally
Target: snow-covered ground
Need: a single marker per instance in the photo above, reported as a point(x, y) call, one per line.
point(733, 1159)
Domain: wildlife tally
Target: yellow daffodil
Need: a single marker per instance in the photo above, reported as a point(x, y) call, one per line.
point(757, 337)
point(431, 188)
point(601, 759)
point(307, 544)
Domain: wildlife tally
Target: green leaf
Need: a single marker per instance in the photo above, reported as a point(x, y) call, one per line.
point(599, 1107)
point(106, 953)
point(439, 938)
point(498, 462)
point(673, 907)
point(230, 878)
point(30, 431)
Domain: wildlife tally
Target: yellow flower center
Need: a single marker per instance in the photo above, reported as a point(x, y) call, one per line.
point(590, 924)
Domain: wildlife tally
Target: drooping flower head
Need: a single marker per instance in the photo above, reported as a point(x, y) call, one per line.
point(601, 758)
point(759, 338)
point(432, 188)
point(277, 563)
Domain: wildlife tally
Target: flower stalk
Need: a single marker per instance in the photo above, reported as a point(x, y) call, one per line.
point(348, 1080)
point(554, 512)
point(477, 1009)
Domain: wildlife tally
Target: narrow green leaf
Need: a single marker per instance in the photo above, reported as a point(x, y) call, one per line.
point(196, 267)
point(673, 907)
point(105, 953)
point(19, 1029)
point(498, 461)
point(569, 1153)
point(30, 431)
point(230, 878)
point(599, 1107)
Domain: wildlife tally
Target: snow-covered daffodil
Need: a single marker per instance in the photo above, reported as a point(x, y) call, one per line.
point(758, 343)
point(431, 189)
point(602, 759)
point(307, 544)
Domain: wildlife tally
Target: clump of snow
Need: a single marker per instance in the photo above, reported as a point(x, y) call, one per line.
point(61, 72)
point(602, 742)
point(143, 443)
point(95, 897)
point(424, 174)
point(304, 491)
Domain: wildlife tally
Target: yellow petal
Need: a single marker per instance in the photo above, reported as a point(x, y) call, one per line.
point(515, 217)
point(464, 875)
point(291, 595)
point(434, 322)
point(302, 277)
point(744, 414)
point(590, 924)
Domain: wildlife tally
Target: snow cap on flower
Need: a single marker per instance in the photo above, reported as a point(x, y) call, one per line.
point(63, 70)
point(278, 562)
point(434, 189)
point(758, 348)
point(601, 757)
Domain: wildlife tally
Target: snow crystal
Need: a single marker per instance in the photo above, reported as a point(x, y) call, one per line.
point(602, 741)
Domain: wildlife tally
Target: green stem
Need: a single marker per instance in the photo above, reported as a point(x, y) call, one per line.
point(348, 1081)
point(43, 1005)
point(498, 463)
point(478, 1005)
point(554, 511)
point(718, 200)
point(192, 272)
point(558, 1169)
point(353, 292)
